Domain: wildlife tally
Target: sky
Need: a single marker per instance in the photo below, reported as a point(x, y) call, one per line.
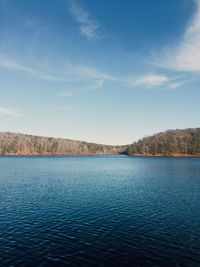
point(108, 71)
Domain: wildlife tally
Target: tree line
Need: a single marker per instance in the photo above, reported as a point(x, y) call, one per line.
point(11, 143)
point(172, 142)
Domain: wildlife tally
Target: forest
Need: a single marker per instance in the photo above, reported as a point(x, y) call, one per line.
point(22, 144)
point(169, 143)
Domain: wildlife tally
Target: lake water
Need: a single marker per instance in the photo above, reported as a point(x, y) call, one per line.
point(99, 211)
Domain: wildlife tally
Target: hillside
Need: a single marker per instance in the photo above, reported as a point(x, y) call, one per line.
point(21, 144)
point(170, 143)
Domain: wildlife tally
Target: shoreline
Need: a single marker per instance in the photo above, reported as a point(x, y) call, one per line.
point(101, 154)
point(172, 143)
point(165, 156)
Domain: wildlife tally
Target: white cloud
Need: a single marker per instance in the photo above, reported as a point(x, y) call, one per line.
point(186, 55)
point(89, 27)
point(8, 112)
point(149, 80)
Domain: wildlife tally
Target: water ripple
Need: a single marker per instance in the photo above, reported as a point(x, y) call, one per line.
point(99, 211)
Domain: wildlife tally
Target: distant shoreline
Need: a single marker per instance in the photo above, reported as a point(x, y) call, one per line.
point(172, 143)
point(166, 156)
point(116, 154)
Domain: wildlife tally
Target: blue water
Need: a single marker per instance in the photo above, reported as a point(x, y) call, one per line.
point(99, 211)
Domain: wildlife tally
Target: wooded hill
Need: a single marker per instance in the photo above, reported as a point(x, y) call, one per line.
point(22, 144)
point(170, 143)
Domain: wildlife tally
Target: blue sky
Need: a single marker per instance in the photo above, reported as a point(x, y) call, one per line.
point(108, 71)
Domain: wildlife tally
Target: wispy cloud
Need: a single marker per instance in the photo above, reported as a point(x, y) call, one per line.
point(175, 85)
point(186, 55)
point(87, 71)
point(89, 27)
point(9, 112)
point(93, 86)
point(83, 77)
point(149, 80)
point(68, 73)
point(90, 86)
point(12, 64)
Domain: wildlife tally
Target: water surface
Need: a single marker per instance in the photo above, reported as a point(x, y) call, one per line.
point(99, 211)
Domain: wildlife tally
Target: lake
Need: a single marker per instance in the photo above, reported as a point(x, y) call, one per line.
point(99, 211)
